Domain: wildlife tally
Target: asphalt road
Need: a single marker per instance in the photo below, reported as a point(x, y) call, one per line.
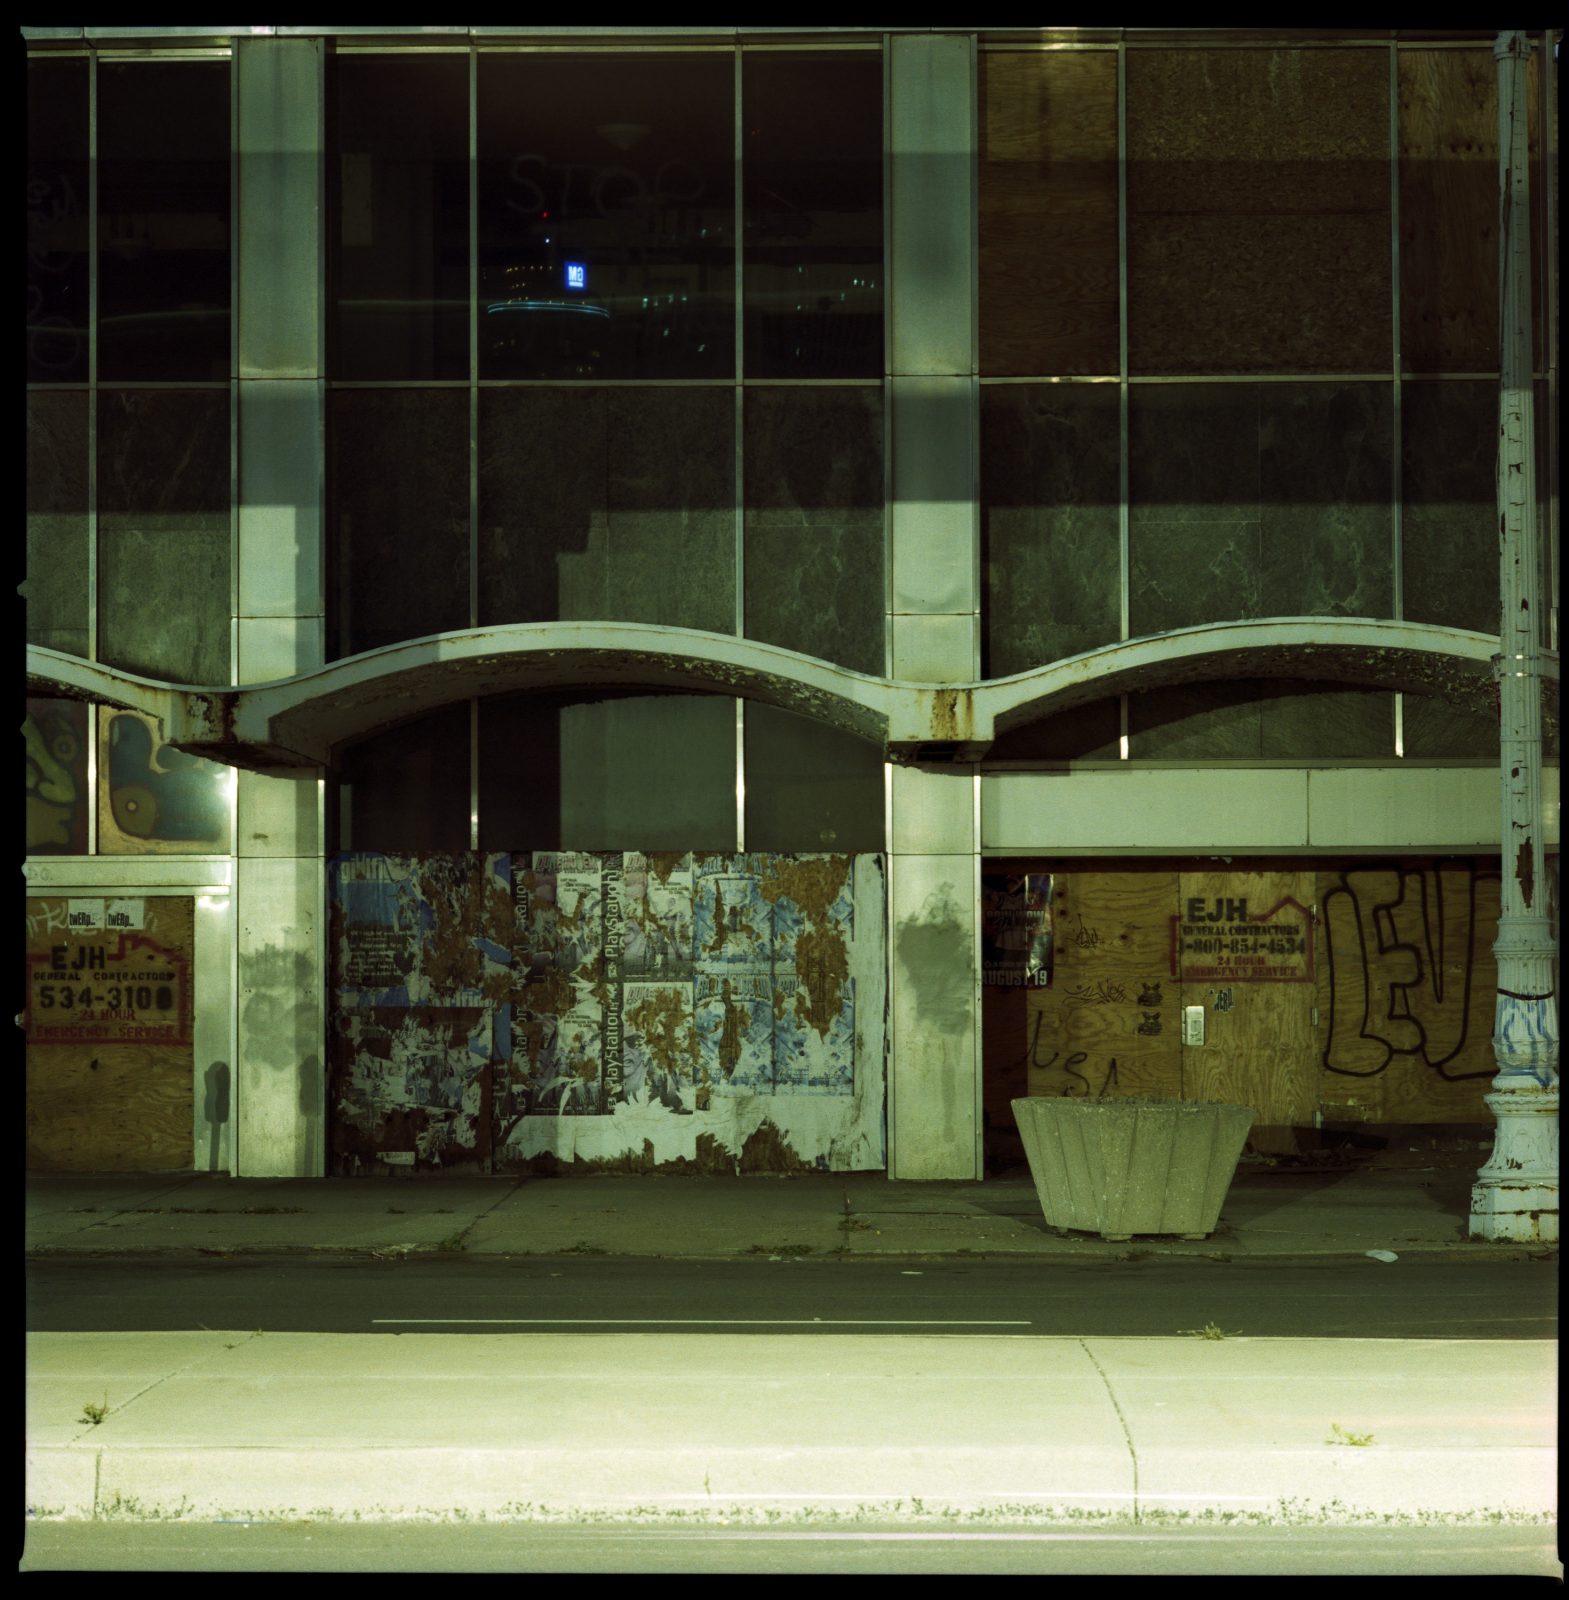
point(1413, 1298)
point(421, 1547)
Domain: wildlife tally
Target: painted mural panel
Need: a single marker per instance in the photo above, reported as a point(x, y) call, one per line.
point(55, 737)
point(154, 799)
point(485, 999)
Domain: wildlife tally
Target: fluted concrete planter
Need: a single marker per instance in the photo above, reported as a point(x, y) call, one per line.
point(1120, 1167)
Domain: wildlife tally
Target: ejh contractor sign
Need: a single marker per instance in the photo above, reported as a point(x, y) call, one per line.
point(1222, 939)
point(108, 988)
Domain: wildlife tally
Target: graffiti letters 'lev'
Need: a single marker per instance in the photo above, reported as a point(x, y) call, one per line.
point(1394, 986)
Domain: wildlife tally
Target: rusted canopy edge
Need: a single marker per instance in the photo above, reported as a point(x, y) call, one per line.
point(298, 722)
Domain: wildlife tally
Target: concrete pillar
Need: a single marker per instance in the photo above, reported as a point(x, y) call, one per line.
point(279, 403)
point(934, 622)
point(1516, 1192)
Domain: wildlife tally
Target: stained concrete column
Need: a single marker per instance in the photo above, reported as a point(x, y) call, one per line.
point(934, 620)
point(279, 622)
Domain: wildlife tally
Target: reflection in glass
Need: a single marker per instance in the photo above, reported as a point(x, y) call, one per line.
point(154, 799)
point(55, 739)
point(606, 216)
point(813, 174)
point(398, 202)
point(163, 220)
point(57, 201)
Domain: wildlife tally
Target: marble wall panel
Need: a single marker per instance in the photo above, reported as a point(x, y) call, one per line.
point(398, 516)
point(1048, 212)
point(1050, 543)
point(1258, 211)
point(1449, 527)
point(407, 787)
point(608, 505)
point(810, 787)
point(813, 485)
point(55, 587)
point(163, 533)
point(1326, 480)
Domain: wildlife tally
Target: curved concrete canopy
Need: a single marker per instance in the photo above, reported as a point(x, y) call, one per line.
point(298, 721)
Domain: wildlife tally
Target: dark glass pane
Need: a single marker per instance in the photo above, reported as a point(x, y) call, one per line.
point(1258, 195)
point(1276, 719)
point(814, 523)
point(633, 772)
point(812, 169)
point(399, 216)
point(57, 144)
point(809, 786)
point(609, 505)
point(407, 788)
point(606, 216)
point(398, 516)
point(1048, 212)
point(1086, 733)
point(163, 533)
point(163, 220)
point(1051, 543)
point(55, 734)
point(56, 585)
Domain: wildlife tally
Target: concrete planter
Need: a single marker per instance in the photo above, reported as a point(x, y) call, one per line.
point(1120, 1167)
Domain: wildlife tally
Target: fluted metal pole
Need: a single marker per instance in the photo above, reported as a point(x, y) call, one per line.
point(1516, 1192)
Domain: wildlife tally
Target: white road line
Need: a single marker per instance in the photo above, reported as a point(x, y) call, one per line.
point(710, 1322)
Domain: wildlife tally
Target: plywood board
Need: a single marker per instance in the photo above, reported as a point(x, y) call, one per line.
point(94, 1106)
point(1108, 1025)
point(1048, 213)
point(1258, 1046)
point(1405, 993)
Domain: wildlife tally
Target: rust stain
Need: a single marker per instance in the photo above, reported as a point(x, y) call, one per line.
point(737, 1021)
point(548, 993)
point(717, 943)
point(823, 967)
point(663, 862)
point(813, 885)
point(1525, 871)
point(767, 1151)
point(452, 960)
point(667, 1030)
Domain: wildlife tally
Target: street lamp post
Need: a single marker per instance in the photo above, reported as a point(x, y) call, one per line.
point(1516, 1192)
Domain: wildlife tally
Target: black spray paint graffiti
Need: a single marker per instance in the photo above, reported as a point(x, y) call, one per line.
point(1095, 994)
point(1074, 1084)
point(1394, 987)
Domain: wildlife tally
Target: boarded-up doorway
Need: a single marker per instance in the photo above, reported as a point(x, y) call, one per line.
point(108, 1021)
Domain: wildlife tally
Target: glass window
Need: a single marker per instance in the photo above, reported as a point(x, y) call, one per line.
point(55, 736)
point(1048, 212)
point(634, 772)
point(608, 504)
point(810, 787)
point(163, 220)
point(57, 201)
point(406, 788)
point(398, 516)
point(163, 533)
point(606, 216)
point(812, 165)
point(814, 523)
point(1258, 211)
point(399, 204)
point(1449, 210)
point(56, 585)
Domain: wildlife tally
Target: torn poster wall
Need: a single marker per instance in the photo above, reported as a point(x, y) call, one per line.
point(588, 1006)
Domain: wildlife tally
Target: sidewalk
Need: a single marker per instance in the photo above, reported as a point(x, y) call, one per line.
point(1270, 1212)
point(654, 1426)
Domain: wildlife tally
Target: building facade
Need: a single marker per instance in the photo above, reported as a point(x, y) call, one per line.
point(737, 599)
